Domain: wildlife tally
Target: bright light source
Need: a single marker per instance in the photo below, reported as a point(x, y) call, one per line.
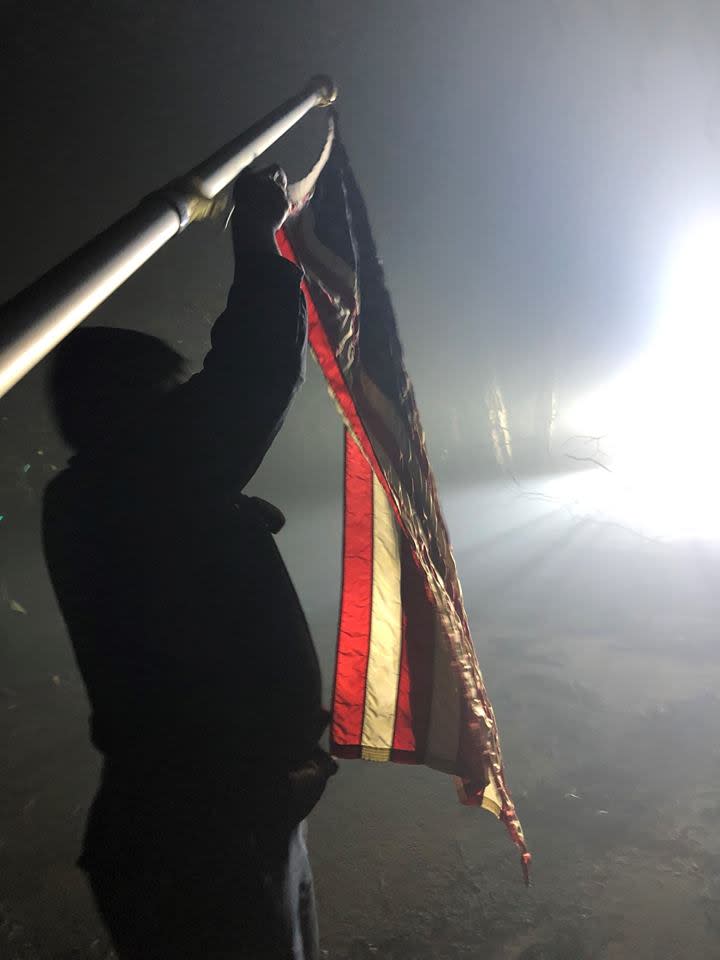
point(660, 419)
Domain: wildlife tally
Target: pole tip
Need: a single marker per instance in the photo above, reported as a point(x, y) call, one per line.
point(325, 87)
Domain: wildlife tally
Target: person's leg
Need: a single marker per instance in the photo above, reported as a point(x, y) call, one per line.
point(129, 911)
point(301, 882)
point(219, 914)
point(256, 904)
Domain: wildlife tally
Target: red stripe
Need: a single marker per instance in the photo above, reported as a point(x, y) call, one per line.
point(356, 603)
point(356, 598)
point(403, 735)
point(419, 657)
point(351, 664)
point(325, 356)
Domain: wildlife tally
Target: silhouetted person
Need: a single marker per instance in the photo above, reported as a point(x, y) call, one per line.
point(201, 673)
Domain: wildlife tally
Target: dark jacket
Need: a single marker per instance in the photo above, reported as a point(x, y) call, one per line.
point(195, 652)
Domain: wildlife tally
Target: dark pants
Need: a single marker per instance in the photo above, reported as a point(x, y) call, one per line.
point(259, 906)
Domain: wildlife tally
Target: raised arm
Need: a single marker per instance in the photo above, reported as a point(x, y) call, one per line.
point(232, 410)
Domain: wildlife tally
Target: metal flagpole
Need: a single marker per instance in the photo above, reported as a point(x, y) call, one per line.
point(39, 317)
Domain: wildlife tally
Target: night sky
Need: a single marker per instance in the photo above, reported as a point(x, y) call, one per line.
point(528, 166)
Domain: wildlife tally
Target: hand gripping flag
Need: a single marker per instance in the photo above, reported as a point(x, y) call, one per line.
point(408, 686)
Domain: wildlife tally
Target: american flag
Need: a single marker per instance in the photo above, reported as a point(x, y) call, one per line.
point(408, 686)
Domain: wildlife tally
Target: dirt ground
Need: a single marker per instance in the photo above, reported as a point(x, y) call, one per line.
point(600, 652)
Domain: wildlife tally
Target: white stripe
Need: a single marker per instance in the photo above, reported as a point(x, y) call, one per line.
point(385, 631)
